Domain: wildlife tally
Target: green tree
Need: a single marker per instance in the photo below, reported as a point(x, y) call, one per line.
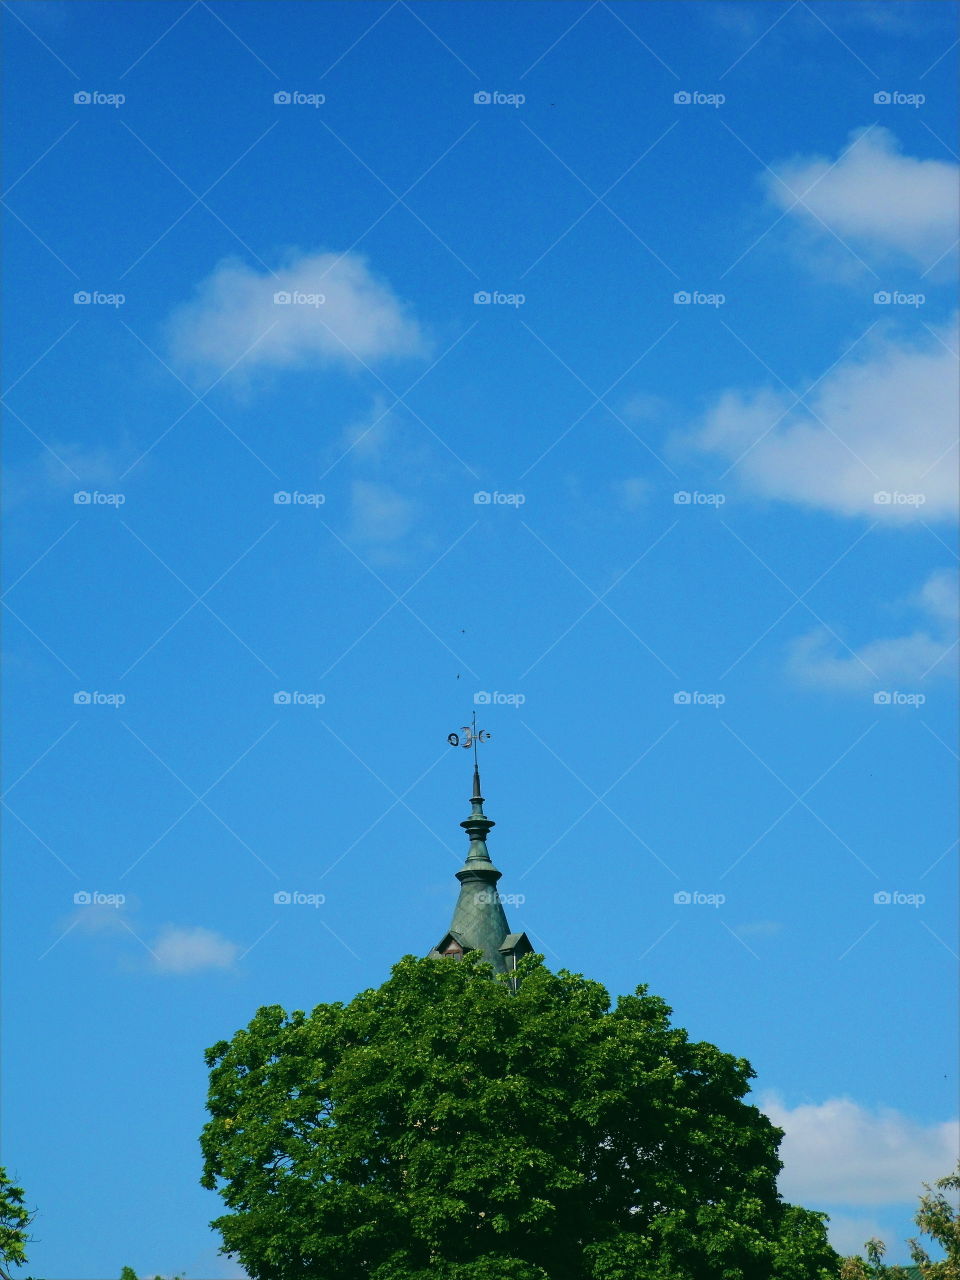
point(872, 1267)
point(128, 1273)
point(441, 1128)
point(15, 1219)
point(802, 1251)
point(938, 1219)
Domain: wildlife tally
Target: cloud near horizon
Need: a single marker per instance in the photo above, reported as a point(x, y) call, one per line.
point(874, 194)
point(839, 1152)
point(318, 309)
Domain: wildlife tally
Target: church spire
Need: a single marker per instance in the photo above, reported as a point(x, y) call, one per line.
point(478, 824)
point(479, 921)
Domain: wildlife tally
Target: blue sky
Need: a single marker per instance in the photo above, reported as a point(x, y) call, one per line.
point(706, 596)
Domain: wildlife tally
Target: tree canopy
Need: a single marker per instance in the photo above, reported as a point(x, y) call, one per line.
point(15, 1220)
point(937, 1218)
point(441, 1127)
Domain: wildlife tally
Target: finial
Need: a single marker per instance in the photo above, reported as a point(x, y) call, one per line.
point(478, 824)
point(476, 764)
point(471, 736)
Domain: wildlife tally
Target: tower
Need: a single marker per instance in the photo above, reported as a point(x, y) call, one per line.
point(479, 921)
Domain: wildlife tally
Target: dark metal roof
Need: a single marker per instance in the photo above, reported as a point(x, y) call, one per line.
point(479, 922)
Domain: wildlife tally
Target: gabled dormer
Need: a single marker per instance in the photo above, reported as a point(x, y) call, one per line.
point(453, 945)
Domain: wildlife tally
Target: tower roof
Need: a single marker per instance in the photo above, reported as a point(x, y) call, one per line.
point(479, 922)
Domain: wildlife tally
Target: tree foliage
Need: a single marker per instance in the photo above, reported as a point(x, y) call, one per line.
point(441, 1128)
point(15, 1219)
point(940, 1220)
point(937, 1219)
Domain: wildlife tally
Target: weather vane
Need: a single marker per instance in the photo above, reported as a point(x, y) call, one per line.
point(469, 736)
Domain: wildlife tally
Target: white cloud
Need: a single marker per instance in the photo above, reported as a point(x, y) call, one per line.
point(817, 659)
point(940, 596)
point(903, 659)
point(881, 424)
point(234, 317)
point(633, 492)
point(379, 514)
point(96, 918)
point(837, 1152)
point(368, 438)
point(181, 949)
point(874, 194)
point(67, 466)
point(644, 407)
